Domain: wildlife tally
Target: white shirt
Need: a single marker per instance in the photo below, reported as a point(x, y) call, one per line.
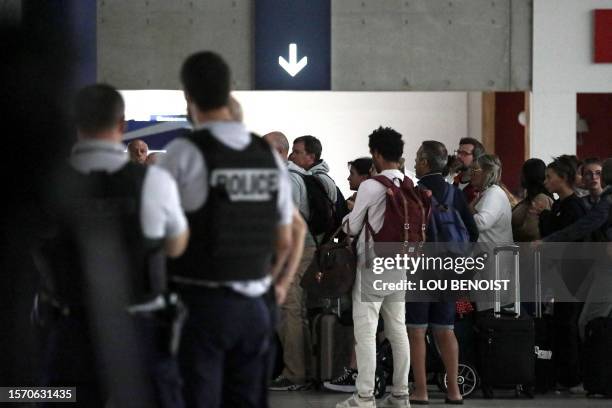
point(161, 215)
point(185, 162)
point(494, 222)
point(494, 217)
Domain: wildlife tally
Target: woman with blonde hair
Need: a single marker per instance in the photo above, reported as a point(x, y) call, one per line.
point(491, 209)
point(493, 217)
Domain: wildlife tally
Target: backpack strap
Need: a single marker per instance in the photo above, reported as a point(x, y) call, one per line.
point(406, 222)
point(384, 180)
point(449, 197)
point(409, 188)
point(369, 231)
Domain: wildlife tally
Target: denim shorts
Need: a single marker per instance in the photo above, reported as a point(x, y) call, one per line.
point(437, 315)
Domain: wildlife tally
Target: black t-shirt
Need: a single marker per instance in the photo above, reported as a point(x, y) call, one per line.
point(562, 214)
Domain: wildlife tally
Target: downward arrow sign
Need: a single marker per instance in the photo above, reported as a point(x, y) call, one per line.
point(293, 67)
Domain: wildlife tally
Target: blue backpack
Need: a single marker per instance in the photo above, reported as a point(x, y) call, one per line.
point(446, 225)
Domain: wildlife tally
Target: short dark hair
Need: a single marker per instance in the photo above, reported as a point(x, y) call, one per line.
point(565, 168)
point(206, 80)
point(362, 165)
point(388, 143)
point(436, 155)
point(590, 160)
point(479, 149)
point(571, 159)
point(312, 145)
point(97, 108)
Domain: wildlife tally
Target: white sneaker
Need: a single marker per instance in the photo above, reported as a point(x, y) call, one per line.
point(357, 402)
point(396, 401)
point(577, 389)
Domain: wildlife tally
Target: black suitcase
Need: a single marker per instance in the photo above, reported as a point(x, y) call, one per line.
point(505, 342)
point(598, 356)
point(544, 364)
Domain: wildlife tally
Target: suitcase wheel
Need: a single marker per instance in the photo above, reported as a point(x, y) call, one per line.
point(524, 390)
point(467, 380)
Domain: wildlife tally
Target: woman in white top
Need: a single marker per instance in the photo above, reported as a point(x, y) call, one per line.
point(493, 217)
point(491, 209)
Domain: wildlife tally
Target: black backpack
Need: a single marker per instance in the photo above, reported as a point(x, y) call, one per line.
point(325, 215)
point(341, 207)
point(322, 219)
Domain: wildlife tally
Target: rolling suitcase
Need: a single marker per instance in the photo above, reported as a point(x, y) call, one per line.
point(332, 346)
point(598, 357)
point(505, 341)
point(543, 324)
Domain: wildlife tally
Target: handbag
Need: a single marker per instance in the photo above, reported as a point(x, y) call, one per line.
point(332, 270)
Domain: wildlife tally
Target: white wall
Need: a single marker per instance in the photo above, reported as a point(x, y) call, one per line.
point(553, 124)
point(563, 46)
point(562, 67)
point(341, 120)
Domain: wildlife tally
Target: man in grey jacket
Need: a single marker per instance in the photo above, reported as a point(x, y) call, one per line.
point(306, 154)
point(293, 327)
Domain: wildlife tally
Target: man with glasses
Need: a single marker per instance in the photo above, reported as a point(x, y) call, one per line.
point(469, 150)
point(591, 178)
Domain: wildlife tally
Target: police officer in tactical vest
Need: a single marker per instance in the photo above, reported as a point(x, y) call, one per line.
point(103, 299)
point(236, 193)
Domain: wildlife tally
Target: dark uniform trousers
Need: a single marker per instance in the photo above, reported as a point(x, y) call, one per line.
point(71, 359)
point(224, 348)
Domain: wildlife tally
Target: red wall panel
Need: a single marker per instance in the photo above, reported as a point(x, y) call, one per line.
point(603, 36)
point(596, 109)
point(510, 137)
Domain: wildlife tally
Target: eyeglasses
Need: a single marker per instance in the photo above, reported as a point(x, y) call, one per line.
point(462, 153)
point(592, 174)
point(475, 170)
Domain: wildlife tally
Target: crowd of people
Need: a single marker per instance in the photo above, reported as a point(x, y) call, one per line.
point(239, 218)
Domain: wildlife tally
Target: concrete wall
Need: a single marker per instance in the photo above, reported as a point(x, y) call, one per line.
point(562, 67)
point(141, 44)
point(341, 120)
point(422, 45)
point(431, 45)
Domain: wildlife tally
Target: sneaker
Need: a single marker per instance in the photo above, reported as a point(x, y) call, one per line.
point(560, 388)
point(344, 383)
point(577, 389)
point(357, 402)
point(396, 401)
point(282, 383)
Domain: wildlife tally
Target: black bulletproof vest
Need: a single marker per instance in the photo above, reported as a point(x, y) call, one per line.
point(233, 233)
point(86, 210)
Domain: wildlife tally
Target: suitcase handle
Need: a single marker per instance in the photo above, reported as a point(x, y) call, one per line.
point(506, 248)
point(517, 285)
point(537, 256)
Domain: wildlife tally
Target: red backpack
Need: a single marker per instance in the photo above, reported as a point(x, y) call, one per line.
point(405, 220)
